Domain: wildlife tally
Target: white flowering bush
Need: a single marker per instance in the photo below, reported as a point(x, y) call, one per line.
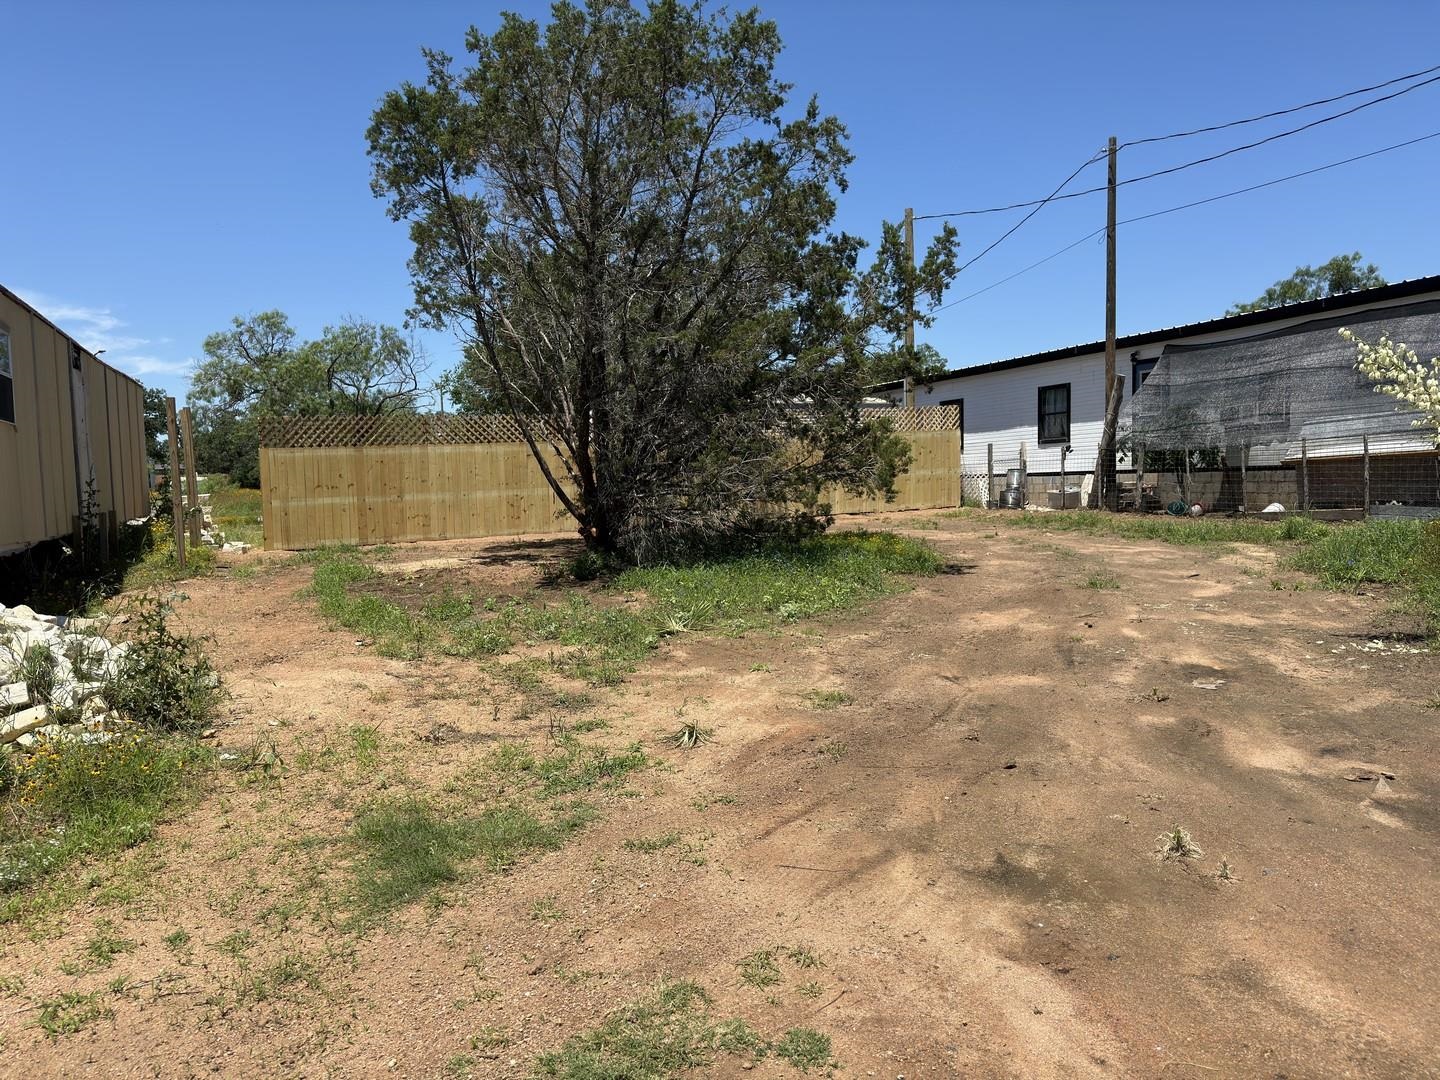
point(1396, 370)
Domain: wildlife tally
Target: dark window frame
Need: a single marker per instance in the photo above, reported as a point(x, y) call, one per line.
point(1040, 415)
point(7, 379)
point(1137, 376)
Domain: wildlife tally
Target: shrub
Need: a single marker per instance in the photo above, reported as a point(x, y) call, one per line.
point(164, 681)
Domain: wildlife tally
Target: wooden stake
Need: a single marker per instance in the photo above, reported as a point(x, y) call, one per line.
point(989, 475)
point(1304, 477)
point(1106, 449)
point(192, 487)
point(177, 510)
point(1365, 451)
point(1244, 462)
point(1140, 478)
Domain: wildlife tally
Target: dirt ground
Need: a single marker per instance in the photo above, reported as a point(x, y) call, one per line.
point(968, 845)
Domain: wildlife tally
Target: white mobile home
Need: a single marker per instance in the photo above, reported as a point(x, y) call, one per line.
point(1033, 407)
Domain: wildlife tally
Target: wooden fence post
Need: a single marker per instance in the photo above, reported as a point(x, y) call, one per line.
point(1140, 478)
point(192, 487)
point(1244, 484)
point(1365, 452)
point(1304, 477)
point(1185, 485)
point(177, 510)
point(989, 475)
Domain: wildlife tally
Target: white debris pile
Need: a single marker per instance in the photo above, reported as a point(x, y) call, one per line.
point(213, 536)
point(53, 672)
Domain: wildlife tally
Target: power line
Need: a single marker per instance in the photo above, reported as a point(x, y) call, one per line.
point(1188, 164)
point(1281, 112)
point(1009, 232)
point(1186, 206)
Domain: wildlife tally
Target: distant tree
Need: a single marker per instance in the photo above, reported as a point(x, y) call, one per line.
point(1342, 274)
point(155, 424)
point(631, 232)
point(258, 368)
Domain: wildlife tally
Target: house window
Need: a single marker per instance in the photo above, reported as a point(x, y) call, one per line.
point(1139, 372)
point(7, 379)
point(1054, 422)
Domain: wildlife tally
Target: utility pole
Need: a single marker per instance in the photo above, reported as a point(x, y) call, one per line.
point(1111, 495)
point(910, 304)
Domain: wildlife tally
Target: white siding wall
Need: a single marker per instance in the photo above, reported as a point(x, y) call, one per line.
point(1001, 407)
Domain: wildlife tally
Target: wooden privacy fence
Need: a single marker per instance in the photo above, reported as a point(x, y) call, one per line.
point(389, 479)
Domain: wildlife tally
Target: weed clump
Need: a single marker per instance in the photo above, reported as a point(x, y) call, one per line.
point(1177, 843)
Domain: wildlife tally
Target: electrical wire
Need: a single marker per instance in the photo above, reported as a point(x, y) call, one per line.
point(1282, 112)
point(1055, 197)
point(1186, 206)
point(1011, 231)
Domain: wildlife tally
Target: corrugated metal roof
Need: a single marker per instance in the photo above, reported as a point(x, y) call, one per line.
point(1394, 291)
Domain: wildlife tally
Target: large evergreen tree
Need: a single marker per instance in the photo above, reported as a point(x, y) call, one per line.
point(630, 229)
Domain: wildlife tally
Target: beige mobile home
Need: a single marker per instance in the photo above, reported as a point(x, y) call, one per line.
point(69, 425)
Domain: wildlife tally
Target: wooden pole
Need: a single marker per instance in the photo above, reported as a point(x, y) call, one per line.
point(1365, 451)
point(1185, 487)
point(192, 486)
point(1106, 450)
point(177, 510)
point(989, 475)
point(910, 313)
point(1105, 477)
point(1140, 478)
point(1244, 464)
point(1304, 477)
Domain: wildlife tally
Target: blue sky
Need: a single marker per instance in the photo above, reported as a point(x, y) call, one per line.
point(175, 164)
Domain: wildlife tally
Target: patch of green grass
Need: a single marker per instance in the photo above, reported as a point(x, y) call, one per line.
point(177, 940)
point(235, 510)
point(70, 1013)
point(828, 699)
point(408, 848)
point(1170, 530)
point(156, 564)
point(657, 1038)
point(546, 910)
point(804, 1048)
point(601, 642)
point(759, 969)
point(1100, 579)
point(571, 767)
point(70, 801)
point(102, 949)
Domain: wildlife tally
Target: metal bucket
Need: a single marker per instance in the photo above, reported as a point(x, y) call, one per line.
point(1014, 478)
point(1013, 498)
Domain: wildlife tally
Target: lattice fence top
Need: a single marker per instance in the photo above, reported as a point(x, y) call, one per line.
point(926, 418)
point(407, 429)
point(413, 429)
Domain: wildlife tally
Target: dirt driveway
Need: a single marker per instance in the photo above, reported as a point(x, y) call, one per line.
point(964, 837)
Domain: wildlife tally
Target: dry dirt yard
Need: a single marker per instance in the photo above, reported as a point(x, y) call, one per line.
point(962, 835)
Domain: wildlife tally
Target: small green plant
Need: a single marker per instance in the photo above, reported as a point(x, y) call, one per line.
point(691, 734)
point(802, 957)
point(1177, 843)
point(165, 682)
point(546, 910)
point(759, 969)
point(460, 1065)
point(102, 949)
point(1100, 579)
point(804, 1048)
point(828, 699)
point(810, 989)
point(70, 1013)
point(177, 940)
point(1226, 872)
point(760, 667)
